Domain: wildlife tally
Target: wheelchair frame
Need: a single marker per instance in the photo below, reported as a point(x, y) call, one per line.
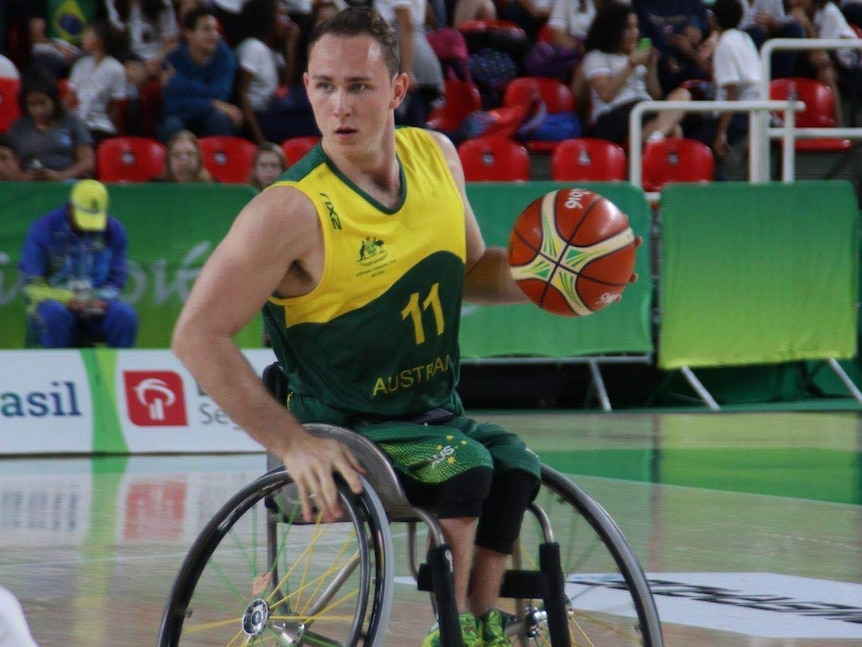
point(610, 604)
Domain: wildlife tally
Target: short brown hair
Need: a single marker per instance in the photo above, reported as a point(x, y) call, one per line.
point(362, 21)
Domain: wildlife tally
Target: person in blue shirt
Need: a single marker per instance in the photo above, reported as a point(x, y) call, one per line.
point(198, 81)
point(74, 266)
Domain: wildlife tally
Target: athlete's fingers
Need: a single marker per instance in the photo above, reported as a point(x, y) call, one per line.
point(305, 496)
point(327, 498)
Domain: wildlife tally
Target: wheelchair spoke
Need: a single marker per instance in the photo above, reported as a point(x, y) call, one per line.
point(604, 607)
point(320, 587)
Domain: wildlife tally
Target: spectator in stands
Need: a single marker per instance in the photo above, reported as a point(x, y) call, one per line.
point(269, 113)
point(823, 19)
point(531, 15)
point(97, 83)
point(198, 82)
point(74, 267)
point(150, 27)
point(676, 28)
point(184, 161)
point(570, 21)
point(763, 19)
point(269, 163)
point(852, 10)
point(56, 32)
point(229, 15)
point(51, 143)
point(465, 10)
point(620, 74)
point(418, 60)
point(10, 170)
point(736, 72)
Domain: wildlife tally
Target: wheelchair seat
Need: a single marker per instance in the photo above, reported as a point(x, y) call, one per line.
point(378, 469)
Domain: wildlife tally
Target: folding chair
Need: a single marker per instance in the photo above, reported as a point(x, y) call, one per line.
point(587, 158)
point(129, 159)
point(295, 148)
point(228, 159)
point(494, 159)
point(676, 160)
point(819, 111)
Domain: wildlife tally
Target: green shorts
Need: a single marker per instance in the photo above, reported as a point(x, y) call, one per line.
point(435, 453)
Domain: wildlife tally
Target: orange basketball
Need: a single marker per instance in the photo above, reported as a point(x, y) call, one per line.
point(572, 252)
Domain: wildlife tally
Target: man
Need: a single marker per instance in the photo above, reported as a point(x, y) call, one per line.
point(74, 268)
point(361, 254)
point(736, 72)
point(199, 80)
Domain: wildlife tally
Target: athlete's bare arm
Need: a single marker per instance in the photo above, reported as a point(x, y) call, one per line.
point(275, 245)
point(487, 278)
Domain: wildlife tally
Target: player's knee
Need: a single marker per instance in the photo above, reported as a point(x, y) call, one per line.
point(462, 495)
point(503, 511)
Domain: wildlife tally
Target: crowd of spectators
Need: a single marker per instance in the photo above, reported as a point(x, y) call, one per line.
point(177, 70)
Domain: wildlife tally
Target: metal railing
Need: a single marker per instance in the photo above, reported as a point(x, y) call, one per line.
point(762, 134)
point(755, 108)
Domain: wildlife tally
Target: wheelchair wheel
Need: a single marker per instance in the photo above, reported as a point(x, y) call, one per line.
point(259, 575)
point(607, 598)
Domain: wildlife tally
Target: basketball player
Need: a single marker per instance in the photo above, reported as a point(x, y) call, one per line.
point(362, 253)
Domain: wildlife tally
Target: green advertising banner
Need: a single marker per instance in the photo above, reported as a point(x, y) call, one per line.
point(526, 330)
point(172, 229)
point(757, 274)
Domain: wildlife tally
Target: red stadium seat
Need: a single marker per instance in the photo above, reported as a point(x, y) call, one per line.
point(460, 98)
point(819, 111)
point(9, 110)
point(228, 159)
point(296, 147)
point(130, 159)
point(587, 158)
point(494, 159)
point(676, 160)
point(556, 96)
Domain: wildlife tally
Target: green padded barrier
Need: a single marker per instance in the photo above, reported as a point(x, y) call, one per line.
point(172, 229)
point(526, 330)
point(755, 274)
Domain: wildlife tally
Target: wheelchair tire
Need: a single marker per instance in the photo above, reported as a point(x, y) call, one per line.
point(607, 596)
point(257, 574)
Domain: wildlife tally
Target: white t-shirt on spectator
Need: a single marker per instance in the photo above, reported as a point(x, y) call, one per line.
point(598, 63)
point(736, 62)
point(258, 59)
point(145, 38)
point(829, 22)
point(565, 16)
point(774, 8)
point(96, 86)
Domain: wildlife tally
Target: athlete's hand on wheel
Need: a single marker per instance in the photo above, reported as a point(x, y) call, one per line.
point(312, 463)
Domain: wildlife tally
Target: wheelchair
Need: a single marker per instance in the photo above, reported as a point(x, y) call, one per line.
point(259, 574)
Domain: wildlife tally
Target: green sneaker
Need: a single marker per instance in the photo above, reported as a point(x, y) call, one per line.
point(469, 632)
point(493, 629)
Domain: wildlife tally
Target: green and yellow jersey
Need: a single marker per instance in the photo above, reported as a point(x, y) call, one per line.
point(379, 333)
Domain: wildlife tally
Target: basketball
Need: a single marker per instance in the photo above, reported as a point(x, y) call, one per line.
point(572, 252)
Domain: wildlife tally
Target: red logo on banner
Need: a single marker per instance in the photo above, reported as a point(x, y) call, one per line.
point(155, 398)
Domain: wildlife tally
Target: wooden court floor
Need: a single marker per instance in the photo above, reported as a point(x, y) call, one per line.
point(749, 526)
